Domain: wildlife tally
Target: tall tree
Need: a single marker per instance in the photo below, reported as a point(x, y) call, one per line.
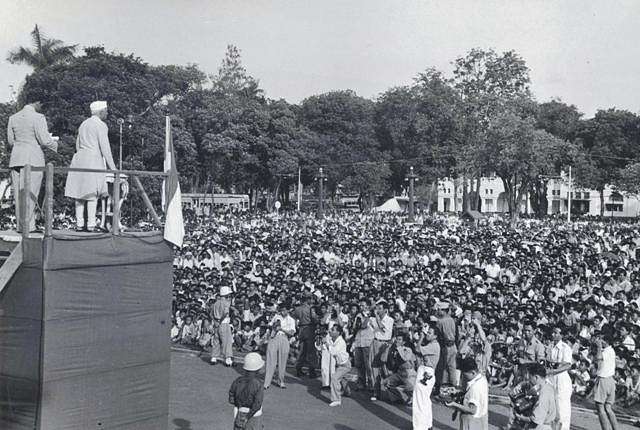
point(43, 52)
point(486, 82)
point(344, 121)
point(611, 141)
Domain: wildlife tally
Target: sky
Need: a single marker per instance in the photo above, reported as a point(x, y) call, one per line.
point(586, 53)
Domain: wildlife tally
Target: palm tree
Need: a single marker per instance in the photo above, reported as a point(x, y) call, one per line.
point(44, 52)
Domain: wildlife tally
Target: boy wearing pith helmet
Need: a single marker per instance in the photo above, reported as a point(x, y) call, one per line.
point(246, 394)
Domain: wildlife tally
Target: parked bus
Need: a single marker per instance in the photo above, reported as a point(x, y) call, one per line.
point(201, 203)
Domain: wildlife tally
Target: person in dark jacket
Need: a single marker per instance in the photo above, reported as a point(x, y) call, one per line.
point(246, 394)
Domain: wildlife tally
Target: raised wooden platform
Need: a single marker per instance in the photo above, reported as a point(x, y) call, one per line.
point(84, 331)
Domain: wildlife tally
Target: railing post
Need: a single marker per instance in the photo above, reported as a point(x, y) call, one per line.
point(48, 202)
point(115, 219)
point(25, 196)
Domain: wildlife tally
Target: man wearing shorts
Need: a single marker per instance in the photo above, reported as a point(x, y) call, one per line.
point(605, 386)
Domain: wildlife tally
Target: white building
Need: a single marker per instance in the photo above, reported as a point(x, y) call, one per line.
point(583, 201)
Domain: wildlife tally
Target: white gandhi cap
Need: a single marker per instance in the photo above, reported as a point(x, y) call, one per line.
point(98, 106)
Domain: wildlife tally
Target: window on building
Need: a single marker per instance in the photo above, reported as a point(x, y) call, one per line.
point(488, 205)
point(492, 191)
point(613, 207)
point(586, 196)
point(486, 191)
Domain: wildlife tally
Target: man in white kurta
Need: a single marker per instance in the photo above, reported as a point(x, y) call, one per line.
point(92, 152)
point(561, 357)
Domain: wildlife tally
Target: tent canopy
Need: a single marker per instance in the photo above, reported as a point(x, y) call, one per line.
point(391, 205)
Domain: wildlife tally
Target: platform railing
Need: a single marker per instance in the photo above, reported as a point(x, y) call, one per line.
point(50, 171)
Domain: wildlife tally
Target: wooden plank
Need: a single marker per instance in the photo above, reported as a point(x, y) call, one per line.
point(122, 172)
point(10, 266)
point(147, 201)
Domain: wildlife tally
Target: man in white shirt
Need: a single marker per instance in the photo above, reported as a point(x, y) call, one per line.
point(282, 326)
point(605, 386)
point(338, 349)
point(560, 356)
point(492, 269)
point(382, 325)
point(474, 408)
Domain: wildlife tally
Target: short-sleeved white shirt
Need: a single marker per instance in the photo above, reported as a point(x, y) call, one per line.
point(478, 394)
point(608, 366)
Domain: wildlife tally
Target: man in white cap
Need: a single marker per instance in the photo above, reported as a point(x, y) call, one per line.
point(26, 132)
point(246, 395)
point(92, 152)
point(222, 342)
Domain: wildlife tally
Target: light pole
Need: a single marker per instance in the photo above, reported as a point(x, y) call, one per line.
point(411, 177)
point(321, 178)
point(120, 124)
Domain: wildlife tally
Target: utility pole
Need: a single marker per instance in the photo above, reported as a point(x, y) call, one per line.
point(411, 177)
point(321, 178)
point(569, 198)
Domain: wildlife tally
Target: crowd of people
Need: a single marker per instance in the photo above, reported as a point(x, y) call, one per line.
point(438, 308)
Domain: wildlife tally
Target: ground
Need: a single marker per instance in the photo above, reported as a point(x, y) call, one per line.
point(199, 402)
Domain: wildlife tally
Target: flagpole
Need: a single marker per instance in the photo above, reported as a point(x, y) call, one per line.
point(299, 189)
point(167, 150)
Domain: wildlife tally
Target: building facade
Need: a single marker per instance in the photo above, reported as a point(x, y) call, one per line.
point(493, 199)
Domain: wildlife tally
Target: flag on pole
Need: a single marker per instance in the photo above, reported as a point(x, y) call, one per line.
point(299, 190)
point(171, 195)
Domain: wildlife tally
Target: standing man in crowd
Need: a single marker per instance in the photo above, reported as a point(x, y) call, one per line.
point(306, 318)
point(283, 327)
point(429, 351)
point(474, 409)
point(92, 152)
point(447, 333)
point(26, 132)
point(604, 391)
point(361, 349)
point(382, 325)
point(222, 342)
point(531, 349)
point(544, 412)
point(560, 357)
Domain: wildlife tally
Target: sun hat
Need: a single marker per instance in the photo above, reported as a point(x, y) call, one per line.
point(253, 362)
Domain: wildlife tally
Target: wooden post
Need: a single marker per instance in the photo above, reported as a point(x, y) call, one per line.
point(115, 219)
point(48, 203)
point(24, 221)
point(147, 202)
